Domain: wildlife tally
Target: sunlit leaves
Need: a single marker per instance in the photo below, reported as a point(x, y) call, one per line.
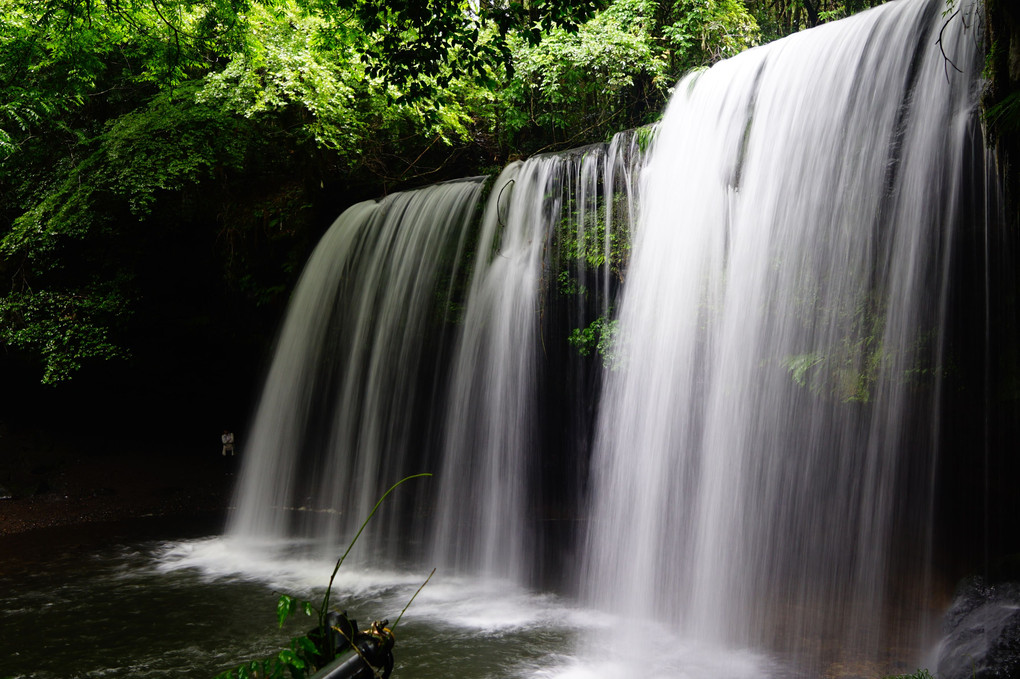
point(115, 114)
point(587, 79)
point(618, 64)
point(65, 329)
point(287, 606)
point(418, 45)
point(701, 32)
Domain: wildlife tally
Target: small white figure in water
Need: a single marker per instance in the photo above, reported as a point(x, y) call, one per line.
point(228, 442)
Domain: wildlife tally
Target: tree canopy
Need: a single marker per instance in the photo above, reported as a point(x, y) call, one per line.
point(141, 140)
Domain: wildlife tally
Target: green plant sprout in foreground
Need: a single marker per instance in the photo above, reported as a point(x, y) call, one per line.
point(325, 644)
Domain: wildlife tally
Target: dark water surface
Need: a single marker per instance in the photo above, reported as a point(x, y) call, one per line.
point(111, 601)
point(86, 601)
point(159, 598)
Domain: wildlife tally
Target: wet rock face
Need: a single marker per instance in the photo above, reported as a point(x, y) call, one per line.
point(982, 633)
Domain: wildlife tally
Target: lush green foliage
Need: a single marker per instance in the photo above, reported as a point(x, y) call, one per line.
point(616, 70)
point(782, 17)
point(574, 86)
point(588, 244)
point(229, 126)
point(420, 45)
point(599, 337)
point(704, 31)
point(63, 328)
point(121, 121)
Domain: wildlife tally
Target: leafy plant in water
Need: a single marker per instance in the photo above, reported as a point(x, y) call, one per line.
point(306, 653)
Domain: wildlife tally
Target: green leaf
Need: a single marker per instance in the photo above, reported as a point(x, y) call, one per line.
point(284, 608)
point(800, 364)
point(291, 658)
point(305, 645)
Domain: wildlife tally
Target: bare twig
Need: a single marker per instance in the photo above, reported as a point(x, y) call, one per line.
point(424, 151)
point(942, 48)
point(329, 588)
point(412, 599)
point(566, 142)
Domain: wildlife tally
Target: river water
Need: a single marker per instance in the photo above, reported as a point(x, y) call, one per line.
point(194, 607)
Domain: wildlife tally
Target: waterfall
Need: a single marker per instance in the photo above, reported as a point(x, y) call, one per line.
point(763, 470)
point(358, 359)
point(490, 418)
point(414, 343)
point(739, 441)
point(544, 220)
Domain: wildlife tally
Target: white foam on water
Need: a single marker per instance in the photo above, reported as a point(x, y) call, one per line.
point(470, 603)
point(278, 564)
point(483, 610)
point(630, 648)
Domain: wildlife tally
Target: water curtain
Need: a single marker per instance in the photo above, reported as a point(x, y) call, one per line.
point(764, 465)
point(747, 452)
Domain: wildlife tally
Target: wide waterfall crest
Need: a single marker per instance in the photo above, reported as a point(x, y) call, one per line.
point(763, 467)
point(750, 463)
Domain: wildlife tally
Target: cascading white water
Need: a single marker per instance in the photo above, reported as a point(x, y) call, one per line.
point(340, 416)
point(486, 513)
point(768, 431)
point(362, 392)
point(490, 418)
point(763, 468)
